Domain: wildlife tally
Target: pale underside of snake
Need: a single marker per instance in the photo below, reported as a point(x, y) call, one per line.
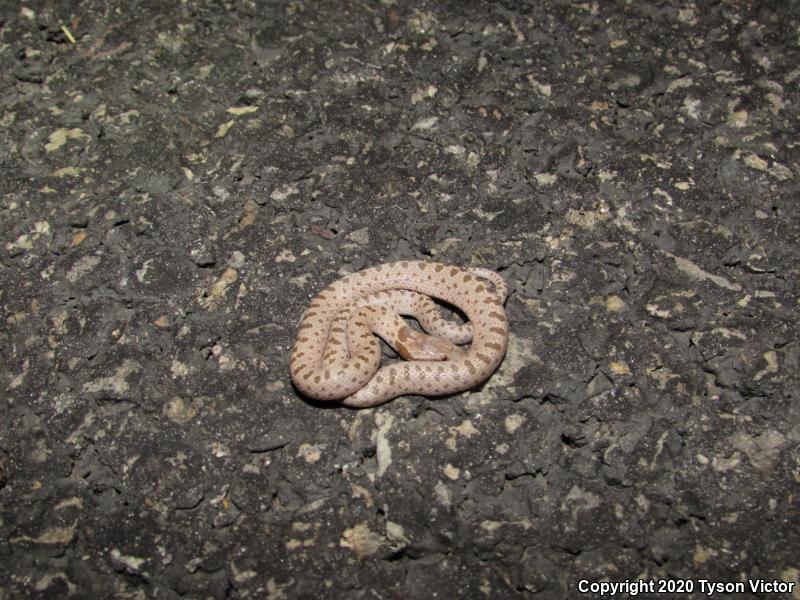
point(336, 355)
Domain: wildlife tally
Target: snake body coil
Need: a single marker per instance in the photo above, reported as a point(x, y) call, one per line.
point(337, 357)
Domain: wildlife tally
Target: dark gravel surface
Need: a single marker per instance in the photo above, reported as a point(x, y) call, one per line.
point(178, 178)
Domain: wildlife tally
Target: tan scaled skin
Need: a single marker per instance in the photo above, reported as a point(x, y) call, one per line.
point(337, 357)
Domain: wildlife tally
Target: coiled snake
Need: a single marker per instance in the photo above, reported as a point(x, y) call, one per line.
point(336, 356)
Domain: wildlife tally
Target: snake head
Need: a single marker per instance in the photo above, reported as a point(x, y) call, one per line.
point(422, 346)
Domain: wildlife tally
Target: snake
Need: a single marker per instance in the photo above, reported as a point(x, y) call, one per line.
point(336, 355)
